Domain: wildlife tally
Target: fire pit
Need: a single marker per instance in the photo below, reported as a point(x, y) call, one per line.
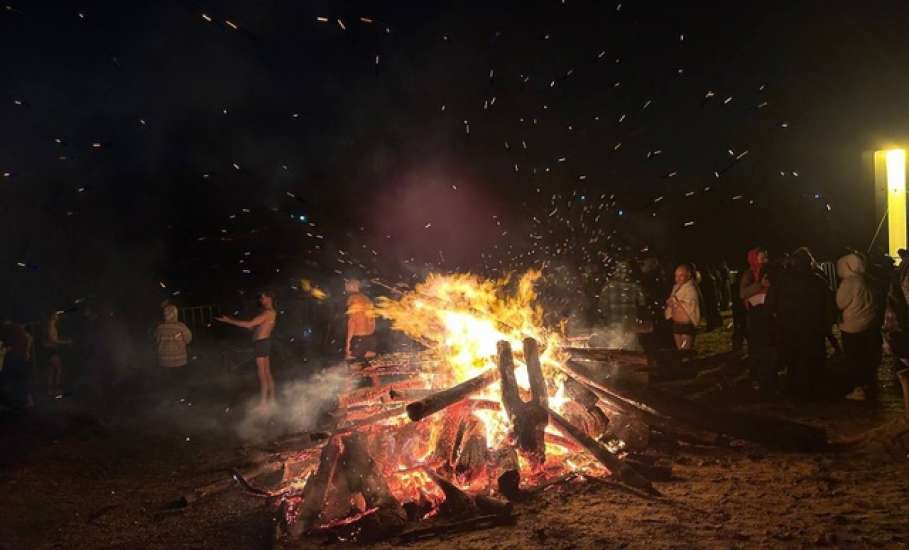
point(489, 414)
point(495, 410)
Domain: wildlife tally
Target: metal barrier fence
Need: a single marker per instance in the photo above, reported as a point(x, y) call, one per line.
point(829, 271)
point(199, 316)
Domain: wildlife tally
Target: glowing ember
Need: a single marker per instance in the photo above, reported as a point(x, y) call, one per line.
point(470, 442)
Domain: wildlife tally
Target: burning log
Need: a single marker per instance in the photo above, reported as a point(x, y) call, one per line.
point(377, 392)
point(580, 393)
point(364, 477)
point(472, 452)
point(457, 502)
point(564, 442)
point(507, 471)
point(434, 403)
point(605, 393)
point(591, 420)
point(657, 406)
point(370, 420)
point(529, 418)
point(316, 487)
point(623, 472)
point(408, 395)
point(624, 357)
point(450, 432)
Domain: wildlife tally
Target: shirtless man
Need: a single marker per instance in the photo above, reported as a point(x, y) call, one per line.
point(361, 323)
point(261, 325)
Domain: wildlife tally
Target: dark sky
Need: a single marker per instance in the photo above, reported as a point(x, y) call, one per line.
point(212, 141)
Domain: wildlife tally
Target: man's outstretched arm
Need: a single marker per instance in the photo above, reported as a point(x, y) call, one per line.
point(252, 323)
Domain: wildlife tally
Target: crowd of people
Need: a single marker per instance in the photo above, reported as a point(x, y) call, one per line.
point(89, 350)
point(785, 311)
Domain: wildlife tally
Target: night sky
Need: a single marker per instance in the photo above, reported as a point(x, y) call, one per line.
point(154, 148)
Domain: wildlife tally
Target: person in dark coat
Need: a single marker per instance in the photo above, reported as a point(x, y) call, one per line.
point(802, 307)
point(16, 345)
point(739, 315)
point(896, 317)
point(710, 291)
point(762, 351)
point(655, 286)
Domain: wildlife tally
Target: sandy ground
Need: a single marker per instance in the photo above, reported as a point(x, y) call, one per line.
point(74, 477)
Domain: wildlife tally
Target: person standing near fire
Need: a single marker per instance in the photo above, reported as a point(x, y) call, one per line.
point(683, 308)
point(762, 351)
point(52, 343)
point(262, 326)
point(172, 337)
point(361, 323)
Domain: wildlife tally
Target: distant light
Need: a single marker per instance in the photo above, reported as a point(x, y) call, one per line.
point(302, 217)
point(896, 199)
point(621, 212)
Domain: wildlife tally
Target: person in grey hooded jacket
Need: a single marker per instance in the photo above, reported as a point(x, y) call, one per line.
point(860, 333)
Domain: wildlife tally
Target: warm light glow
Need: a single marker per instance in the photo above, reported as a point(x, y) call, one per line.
point(462, 317)
point(896, 199)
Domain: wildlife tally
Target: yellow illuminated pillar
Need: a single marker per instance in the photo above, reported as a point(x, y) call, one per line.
point(895, 160)
point(890, 185)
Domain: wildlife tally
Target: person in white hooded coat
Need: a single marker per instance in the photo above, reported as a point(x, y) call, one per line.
point(860, 333)
point(683, 308)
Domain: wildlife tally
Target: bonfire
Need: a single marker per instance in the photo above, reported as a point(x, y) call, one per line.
point(481, 418)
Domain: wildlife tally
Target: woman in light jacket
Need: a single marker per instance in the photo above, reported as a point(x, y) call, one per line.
point(683, 308)
point(861, 335)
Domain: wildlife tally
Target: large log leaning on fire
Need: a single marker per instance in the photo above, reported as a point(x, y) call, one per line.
point(457, 502)
point(316, 487)
point(377, 392)
point(365, 477)
point(507, 472)
point(447, 442)
point(658, 406)
point(623, 472)
point(434, 403)
point(629, 358)
point(529, 418)
point(471, 458)
point(581, 388)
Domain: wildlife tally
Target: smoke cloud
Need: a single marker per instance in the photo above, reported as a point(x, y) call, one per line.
point(300, 405)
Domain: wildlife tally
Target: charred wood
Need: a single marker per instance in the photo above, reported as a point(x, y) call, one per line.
point(457, 502)
point(434, 403)
point(365, 477)
point(316, 488)
point(623, 472)
point(528, 418)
